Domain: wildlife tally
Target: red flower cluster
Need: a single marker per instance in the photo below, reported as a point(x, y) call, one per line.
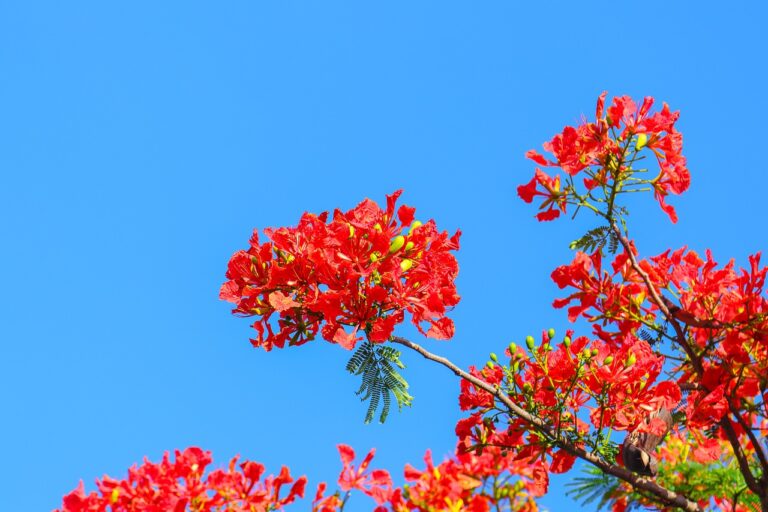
point(605, 150)
point(179, 485)
point(613, 382)
point(724, 312)
point(469, 482)
point(362, 271)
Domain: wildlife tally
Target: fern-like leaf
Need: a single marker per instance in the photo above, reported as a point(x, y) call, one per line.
point(380, 380)
point(596, 239)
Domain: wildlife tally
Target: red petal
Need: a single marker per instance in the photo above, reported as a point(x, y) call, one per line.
point(282, 302)
point(347, 453)
point(441, 329)
point(536, 157)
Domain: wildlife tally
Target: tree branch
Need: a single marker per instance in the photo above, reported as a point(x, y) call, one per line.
point(725, 423)
point(662, 493)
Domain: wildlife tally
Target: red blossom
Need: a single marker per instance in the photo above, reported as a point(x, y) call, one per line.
point(376, 483)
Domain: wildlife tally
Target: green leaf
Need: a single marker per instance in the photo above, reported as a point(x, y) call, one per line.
point(377, 365)
point(596, 239)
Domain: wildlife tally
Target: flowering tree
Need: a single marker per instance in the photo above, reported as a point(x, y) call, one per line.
point(665, 399)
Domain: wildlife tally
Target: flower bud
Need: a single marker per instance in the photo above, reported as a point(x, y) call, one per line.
point(551, 333)
point(632, 359)
point(374, 258)
point(406, 264)
point(397, 244)
point(530, 342)
point(409, 246)
point(115, 494)
point(351, 231)
point(594, 352)
point(377, 227)
point(642, 140)
point(489, 364)
point(608, 360)
point(567, 341)
point(416, 224)
point(512, 349)
point(494, 357)
point(527, 388)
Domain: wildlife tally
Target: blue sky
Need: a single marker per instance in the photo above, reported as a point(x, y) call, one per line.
point(140, 143)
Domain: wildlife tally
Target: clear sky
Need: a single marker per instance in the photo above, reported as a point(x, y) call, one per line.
point(140, 143)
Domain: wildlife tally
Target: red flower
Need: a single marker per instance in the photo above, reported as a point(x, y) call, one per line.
point(377, 483)
point(554, 197)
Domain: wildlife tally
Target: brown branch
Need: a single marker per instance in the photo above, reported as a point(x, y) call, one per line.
point(741, 458)
point(662, 493)
point(660, 301)
point(752, 438)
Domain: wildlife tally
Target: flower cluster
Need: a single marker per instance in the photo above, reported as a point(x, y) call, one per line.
point(355, 274)
point(179, 485)
point(613, 385)
point(471, 482)
point(723, 311)
point(467, 481)
point(606, 152)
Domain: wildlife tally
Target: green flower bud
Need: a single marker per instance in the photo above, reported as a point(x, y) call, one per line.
point(527, 388)
point(406, 264)
point(642, 140)
point(632, 359)
point(409, 246)
point(494, 358)
point(512, 348)
point(608, 360)
point(594, 352)
point(567, 341)
point(516, 366)
point(586, 353)
point(374, 258)
point(489, 364)
point(530, 342)
point(551, 333)
point(416, 224)
point(351, 231)
point(397, 244)
point(377, 227)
